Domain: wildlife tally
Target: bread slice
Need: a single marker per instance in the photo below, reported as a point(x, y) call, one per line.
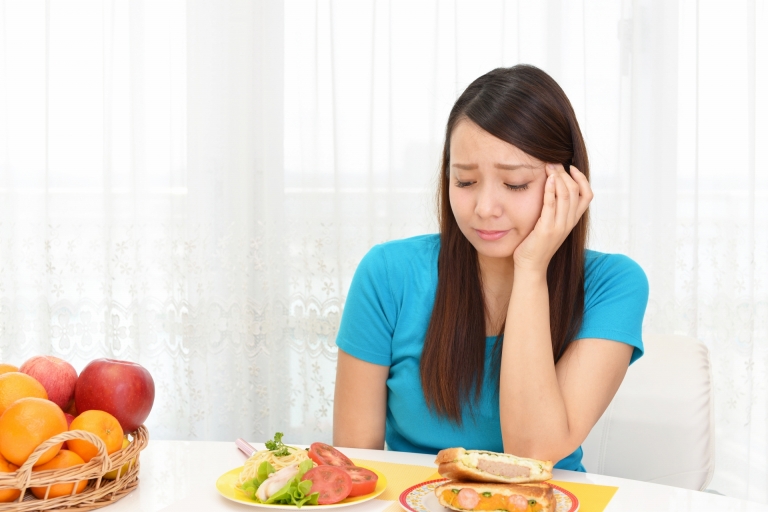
point(471, 496)
point(483, 466)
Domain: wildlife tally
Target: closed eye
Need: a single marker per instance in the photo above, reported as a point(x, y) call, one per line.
point(517, 187)
point(462, 184)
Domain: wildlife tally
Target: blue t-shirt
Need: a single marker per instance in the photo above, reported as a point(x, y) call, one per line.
point(385, 322)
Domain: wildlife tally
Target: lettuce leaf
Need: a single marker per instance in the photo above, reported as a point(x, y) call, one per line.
point(294, 492)
point(250, 487)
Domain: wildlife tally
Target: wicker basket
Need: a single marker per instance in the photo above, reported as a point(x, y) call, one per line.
point(99, 492)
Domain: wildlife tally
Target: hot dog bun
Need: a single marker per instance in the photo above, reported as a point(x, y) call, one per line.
point(483, 466)
point(470, 496)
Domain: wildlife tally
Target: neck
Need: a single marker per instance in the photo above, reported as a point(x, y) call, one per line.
point(496, 271)
point(496, 275)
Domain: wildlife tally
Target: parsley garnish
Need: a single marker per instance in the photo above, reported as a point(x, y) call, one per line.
point(276, 446)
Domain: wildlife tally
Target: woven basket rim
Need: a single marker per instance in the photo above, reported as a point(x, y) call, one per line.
point(98, 493)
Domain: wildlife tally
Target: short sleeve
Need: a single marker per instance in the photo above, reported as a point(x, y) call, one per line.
point(370, 313)
point(615, 298)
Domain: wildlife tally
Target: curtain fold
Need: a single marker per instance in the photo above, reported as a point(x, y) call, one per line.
point(191, 185)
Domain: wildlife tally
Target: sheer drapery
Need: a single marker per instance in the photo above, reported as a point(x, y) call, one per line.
point(141, 178)
point(191, 184)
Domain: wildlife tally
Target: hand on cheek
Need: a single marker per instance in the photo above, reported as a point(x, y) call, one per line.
point(566, 198)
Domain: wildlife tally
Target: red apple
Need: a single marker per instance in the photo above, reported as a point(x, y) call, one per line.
point(57, 376)
point(71, 409)
point(122, 388)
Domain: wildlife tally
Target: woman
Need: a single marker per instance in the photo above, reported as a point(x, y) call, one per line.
point(503, 332)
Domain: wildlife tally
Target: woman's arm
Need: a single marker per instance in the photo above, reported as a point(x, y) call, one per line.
point(360, 403)
point(547, 410)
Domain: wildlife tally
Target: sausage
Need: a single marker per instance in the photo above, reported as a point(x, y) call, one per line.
point(468, 499)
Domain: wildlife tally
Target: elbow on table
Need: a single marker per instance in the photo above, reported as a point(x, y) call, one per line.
point(542, 450)
point(345, 439)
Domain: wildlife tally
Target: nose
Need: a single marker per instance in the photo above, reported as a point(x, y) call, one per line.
point(488, 203)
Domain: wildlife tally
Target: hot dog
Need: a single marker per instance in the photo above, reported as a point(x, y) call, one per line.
point(472, 496)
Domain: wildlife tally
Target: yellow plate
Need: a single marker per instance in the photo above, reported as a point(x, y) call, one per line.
point(226, 487)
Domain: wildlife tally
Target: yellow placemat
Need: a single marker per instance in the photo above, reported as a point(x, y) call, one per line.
point(399, 478)
point(592, 498)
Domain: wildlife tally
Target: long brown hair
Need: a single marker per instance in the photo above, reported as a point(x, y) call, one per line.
point(524, 106)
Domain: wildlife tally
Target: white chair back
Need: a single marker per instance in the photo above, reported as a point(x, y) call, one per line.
point(660, 425)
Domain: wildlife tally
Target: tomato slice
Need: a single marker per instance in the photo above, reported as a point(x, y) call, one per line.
point(363, 480)
point(326, 455)
point(332, 482)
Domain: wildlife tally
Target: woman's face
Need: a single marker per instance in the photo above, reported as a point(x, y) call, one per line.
point(496, 190)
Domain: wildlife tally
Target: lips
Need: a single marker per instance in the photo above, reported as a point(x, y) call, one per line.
point(490, 235)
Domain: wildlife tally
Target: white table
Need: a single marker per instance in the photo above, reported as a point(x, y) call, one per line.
point(180, 476)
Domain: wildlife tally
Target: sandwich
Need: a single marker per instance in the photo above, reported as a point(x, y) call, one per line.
point(475, 496)
point(483, 466)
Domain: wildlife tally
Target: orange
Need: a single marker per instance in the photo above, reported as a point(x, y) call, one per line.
point(112, 475)
point(5, 368)
point(26, 424)
point(15, 385)
point(7, 495)
point(63, 459)
point(103, 425)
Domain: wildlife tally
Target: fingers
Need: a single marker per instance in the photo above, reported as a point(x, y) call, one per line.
point(564, 198)
point(572, 195)
point(549, 208)
point(585, 191)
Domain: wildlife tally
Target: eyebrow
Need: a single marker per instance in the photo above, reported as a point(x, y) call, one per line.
point(506, 167)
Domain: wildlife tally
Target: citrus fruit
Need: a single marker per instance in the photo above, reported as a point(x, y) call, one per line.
point(27, 423)
point(122, 469)
point(7, 495)
point(103, 425)
point(63, 459)
point(5, 368)
point(15, 385)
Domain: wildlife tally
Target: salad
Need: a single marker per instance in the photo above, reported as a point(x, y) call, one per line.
point(287, 475)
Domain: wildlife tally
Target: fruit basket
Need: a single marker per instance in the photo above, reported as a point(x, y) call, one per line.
point(99, 492)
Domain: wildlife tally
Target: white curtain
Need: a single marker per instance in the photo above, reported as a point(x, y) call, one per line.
point(190, 185)
point(142, 182)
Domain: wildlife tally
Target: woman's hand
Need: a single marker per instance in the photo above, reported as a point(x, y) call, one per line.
point(566, 198)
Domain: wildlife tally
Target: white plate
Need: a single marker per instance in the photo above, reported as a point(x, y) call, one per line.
point(421, 498)
point(226, 487)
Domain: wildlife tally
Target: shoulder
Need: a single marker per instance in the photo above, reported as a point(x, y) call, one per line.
point(406, 249)
point(388, 285)
point(398, 257)
point(393, 265)
point(610, 270)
